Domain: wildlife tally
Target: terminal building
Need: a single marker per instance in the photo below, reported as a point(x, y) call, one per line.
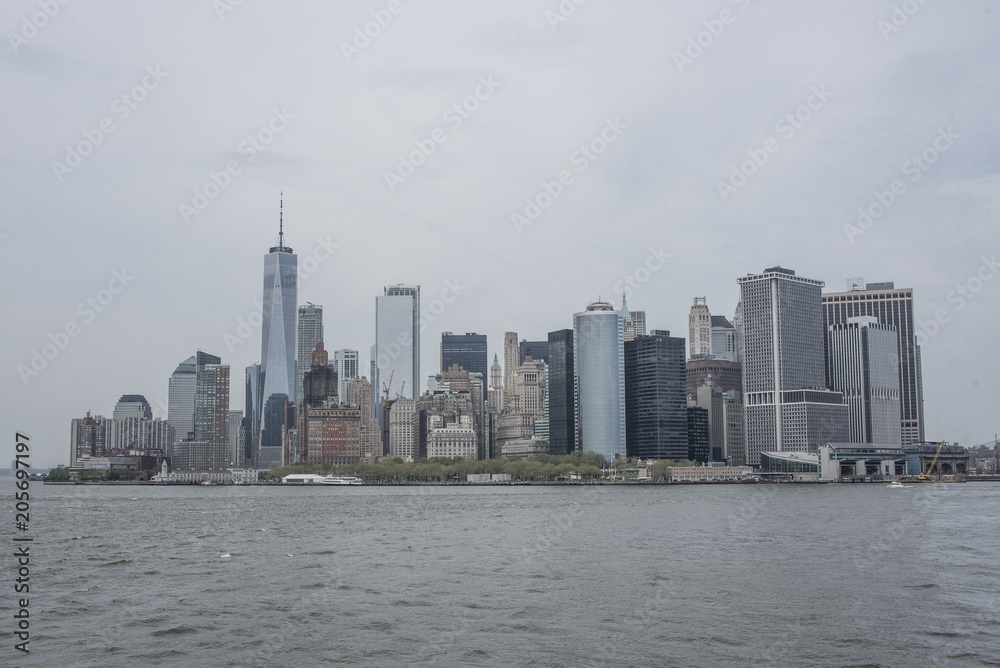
point(836, 461)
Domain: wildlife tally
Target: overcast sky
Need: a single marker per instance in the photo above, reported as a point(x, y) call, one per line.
point(116, 113)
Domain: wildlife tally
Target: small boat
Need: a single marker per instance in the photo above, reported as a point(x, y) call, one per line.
point(341, 480)
point(895, 484)
point(207, 482)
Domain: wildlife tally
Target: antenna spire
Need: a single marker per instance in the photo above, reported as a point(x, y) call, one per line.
point(281, 220)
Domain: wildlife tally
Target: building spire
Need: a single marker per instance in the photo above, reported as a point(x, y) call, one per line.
point(281, 220)
point(625, 311)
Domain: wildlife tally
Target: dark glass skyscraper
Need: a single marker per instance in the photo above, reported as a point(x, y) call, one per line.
point(562, 435)
point(656, 397)
point(277, 352)
point(536, 350)
point(466, 350)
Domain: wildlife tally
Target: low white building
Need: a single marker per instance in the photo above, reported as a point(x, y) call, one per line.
point(303, 479)
point(707, 473)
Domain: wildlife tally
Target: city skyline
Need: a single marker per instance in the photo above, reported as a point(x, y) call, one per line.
point(140, 285)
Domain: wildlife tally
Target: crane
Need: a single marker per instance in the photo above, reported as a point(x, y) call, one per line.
point(386, 386)
point(934, 461)
point(399, 395)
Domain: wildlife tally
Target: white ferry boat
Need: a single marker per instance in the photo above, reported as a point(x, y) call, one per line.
point(341, 480)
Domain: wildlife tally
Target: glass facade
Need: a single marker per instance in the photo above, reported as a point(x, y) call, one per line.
point(562, 434)
point(310, 333)
point(655, 397)
point(277, 356)
point(466, 350)
point(890, 306)
point(397, 342)
point(599, 373)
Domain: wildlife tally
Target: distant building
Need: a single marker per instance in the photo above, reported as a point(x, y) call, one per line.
point(655, 400)
point(309, 334)
point(466, 350)
point(277, 352)
point(723, 339)
point(495, 392)
point(536, 350)
point(511, 360)
point(700, 329)
point(132, 405)
point(599, 370)
point(725, 373)
point(453, 440)
point(346, 362)
point(894, 307)
point(787, 405)
point(404, 430)
point(864, 365)
point(397, 341)
point(711, 397)
point(89, 437)
point(333, 435)
point(237, 446)
point(562, 431)
point(370, 435)
point(210, 446)
point(699, 449)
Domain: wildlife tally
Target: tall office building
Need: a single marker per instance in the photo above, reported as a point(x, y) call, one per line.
point(725, 373)
point(310, 333)
point(890, 306)
point(277, 351)
point(787, 405)
point(511, 360)
point(599, 371)
point(397, 341)
point(236, 444)
point(211, 411)
point(562, 425)
point(864, 365)
point(370, 436)
point(466, 350)
point(132, 405)
point(723, 339)
point(495, 391)
point(346, 362)
point(634, 322)
point(700, 329)
point(655, 397)
point(251, 414)
point(536, 350)
point(180, 398)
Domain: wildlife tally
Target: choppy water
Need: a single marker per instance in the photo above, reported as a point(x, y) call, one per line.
point(795, 575)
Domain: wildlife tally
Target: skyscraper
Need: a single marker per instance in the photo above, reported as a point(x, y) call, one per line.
point(251, 414)
point(700, 329)
point(599, 371)
point(346, 362)
point(89, 437)
point(890, 306)
point(511, 360)
point(310, 333)
point(562, 425)
point(495, 391)
point(864, 365)
point(180, 398)
point(788, 407)
point(397, 340)
point(655, 397)
point(277, 351)
point(536, 350)
point(466, 350)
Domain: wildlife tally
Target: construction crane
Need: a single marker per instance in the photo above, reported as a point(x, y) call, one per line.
point(399, 395)
point(933, 462)
point(386, 386)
